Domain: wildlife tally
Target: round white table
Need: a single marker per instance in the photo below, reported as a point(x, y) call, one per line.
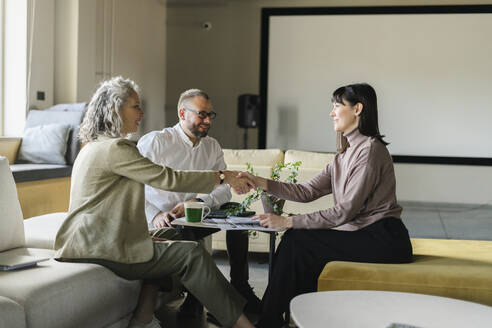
point(363, 308)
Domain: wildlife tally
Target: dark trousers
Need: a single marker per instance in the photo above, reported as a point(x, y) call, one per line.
point(237, 250)
point(302, 255)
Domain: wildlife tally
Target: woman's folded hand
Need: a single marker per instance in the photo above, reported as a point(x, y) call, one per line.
point(274, 221)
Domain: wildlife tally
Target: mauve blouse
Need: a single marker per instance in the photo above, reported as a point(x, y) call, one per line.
point(362, 181)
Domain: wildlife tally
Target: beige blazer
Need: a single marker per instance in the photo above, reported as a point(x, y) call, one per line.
point(106, 218)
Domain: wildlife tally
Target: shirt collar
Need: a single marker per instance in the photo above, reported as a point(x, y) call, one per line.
point(184, 137)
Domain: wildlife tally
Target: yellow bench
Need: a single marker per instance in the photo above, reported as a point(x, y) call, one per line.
point(459, 269)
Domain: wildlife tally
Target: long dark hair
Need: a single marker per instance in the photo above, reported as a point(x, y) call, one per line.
point(368, 123)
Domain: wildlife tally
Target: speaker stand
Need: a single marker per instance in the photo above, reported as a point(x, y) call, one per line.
point(245, 138)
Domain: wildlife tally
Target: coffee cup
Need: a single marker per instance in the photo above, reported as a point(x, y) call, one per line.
point(196, 211)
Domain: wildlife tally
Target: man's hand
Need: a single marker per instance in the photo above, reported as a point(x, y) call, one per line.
point(163, 219)
point(179, 210)
point(274, 221)
point(240, 185)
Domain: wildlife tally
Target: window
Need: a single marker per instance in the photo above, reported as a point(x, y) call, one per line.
point(13, 74)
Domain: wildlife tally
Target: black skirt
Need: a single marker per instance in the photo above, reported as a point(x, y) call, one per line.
point(302, 254)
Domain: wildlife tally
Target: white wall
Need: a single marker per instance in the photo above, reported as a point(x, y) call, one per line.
point(66, 29)
point(139, 53)
point(225, 62)
point(43, 50)
point(86, 50)
point(81, 42)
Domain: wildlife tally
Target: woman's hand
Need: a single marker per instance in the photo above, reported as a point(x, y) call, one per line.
point(258, 181)
point(240, 185)
point(271, 220)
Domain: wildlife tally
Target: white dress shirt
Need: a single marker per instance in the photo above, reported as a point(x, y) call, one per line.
point(171, 147)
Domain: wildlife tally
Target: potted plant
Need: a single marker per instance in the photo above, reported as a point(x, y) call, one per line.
point(271, 204)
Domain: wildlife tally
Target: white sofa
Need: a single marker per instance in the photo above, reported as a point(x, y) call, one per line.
point(263, 161)
point(54, 294)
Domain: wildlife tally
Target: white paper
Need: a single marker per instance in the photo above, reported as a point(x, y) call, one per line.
point(231, 223)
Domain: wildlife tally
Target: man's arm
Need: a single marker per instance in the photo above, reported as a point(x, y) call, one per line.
point(221, 194)
point(150, 212)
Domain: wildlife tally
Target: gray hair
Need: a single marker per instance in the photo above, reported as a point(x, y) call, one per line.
point(103, 113)
point(188, 95)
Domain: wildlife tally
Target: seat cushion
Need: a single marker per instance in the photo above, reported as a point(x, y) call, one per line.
point(11, 220)
point(60, 294)
point(11, 314)
point(309, 159)
point(459, 269)
point(40, 231)
point(256, 157)
point(34, 172)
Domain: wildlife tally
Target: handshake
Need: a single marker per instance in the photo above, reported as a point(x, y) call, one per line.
point(242, 182)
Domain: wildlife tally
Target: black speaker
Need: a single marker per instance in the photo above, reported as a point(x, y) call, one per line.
point(248, 111)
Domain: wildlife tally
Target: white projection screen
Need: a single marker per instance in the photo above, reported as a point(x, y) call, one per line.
point(431, 68)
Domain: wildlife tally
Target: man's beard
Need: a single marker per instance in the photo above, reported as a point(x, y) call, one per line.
point(199, 134)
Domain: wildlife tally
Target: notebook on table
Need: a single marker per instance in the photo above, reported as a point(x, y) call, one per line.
point(9, 262)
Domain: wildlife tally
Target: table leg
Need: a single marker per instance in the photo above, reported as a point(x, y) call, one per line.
point(273, 237)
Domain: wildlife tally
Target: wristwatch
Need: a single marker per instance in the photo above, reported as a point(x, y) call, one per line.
point(222, 177)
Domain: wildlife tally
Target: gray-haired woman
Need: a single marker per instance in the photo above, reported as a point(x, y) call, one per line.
point(106, 221)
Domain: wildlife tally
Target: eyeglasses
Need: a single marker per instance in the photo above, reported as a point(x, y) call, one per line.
point(202, 114)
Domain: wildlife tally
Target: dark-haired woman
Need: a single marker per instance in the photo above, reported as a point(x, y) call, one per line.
point(364, 225)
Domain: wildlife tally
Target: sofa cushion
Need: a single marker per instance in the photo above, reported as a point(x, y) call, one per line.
point(40, 231)
point(459, 269)
point(11, 220)
point(257, 157)
point(310, 160)
point(44, 144)
point(11, 314)
point(34, 172)
point(61, 294)
point(71, 114)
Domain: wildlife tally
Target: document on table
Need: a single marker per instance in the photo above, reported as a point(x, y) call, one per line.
point(231, 223)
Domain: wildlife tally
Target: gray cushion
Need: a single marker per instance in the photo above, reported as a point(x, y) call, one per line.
point(56, 295)
point(71, 114)
point(40, 231)
point(11, 314)
point(33, 172)
point(44, 144)
point(11, 221)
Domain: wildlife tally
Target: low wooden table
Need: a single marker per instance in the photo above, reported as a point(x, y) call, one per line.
point(381, 309)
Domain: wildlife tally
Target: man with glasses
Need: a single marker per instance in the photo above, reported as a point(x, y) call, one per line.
point(186, 146)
